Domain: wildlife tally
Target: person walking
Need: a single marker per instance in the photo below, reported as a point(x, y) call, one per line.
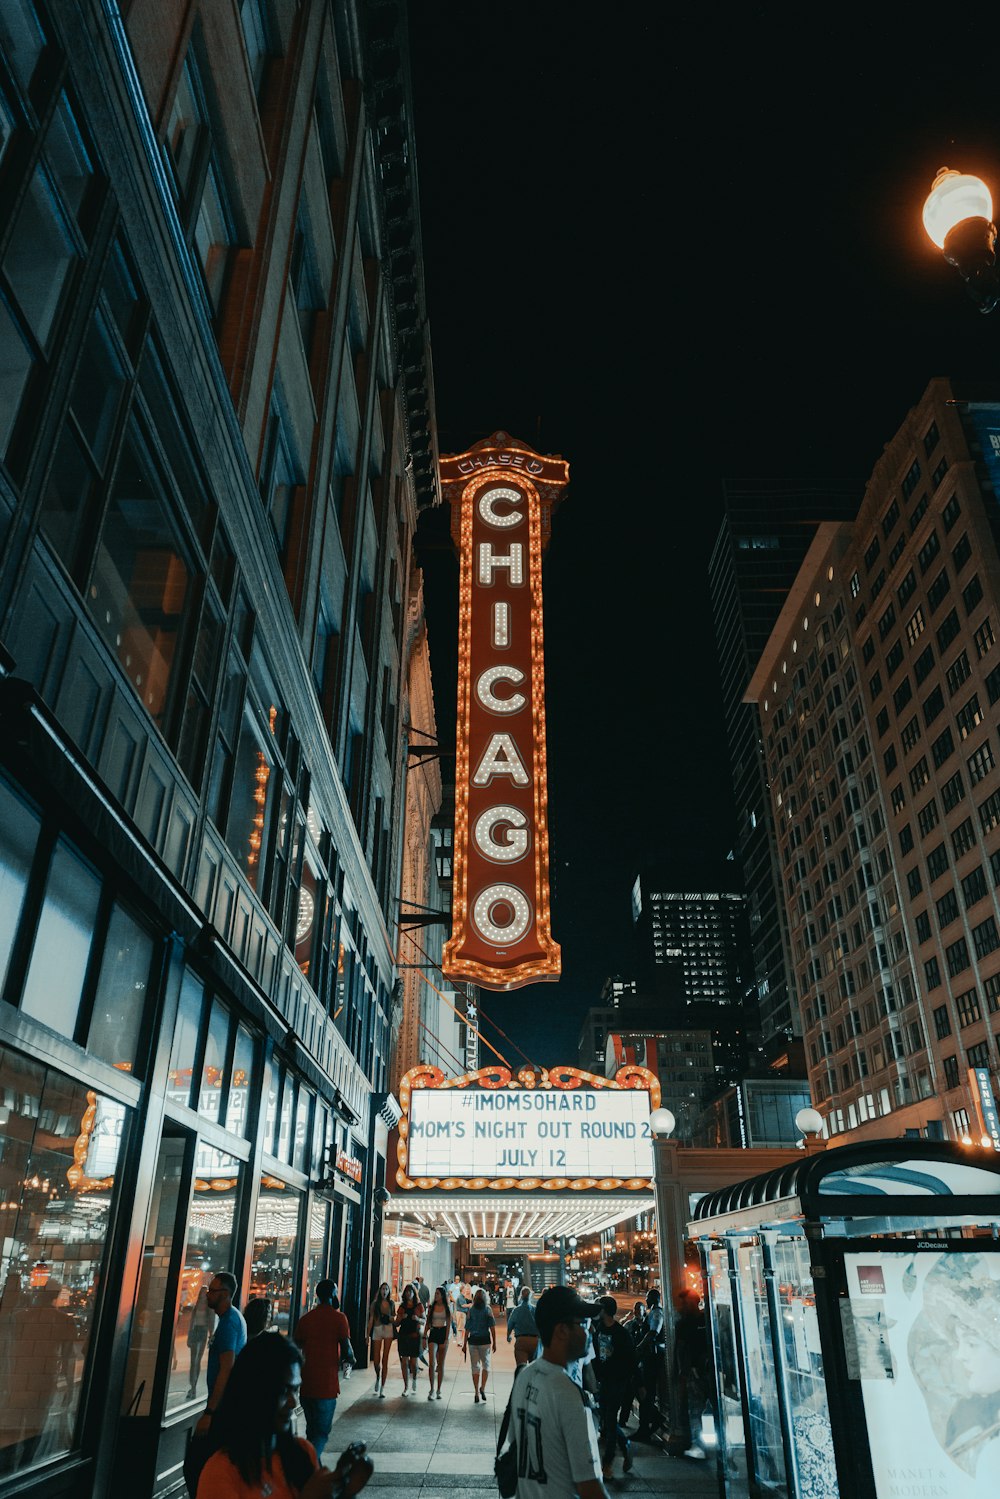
point(381, 1330)
point(614, 1365)
point(199, 1328)
point(409, 1329)
point(454, 1291)
point(324, 1336)
point(257, 1315)
point(228, 1339)
point(551, 1426)
point(522, 1327)
point(436, 1326)
point(424, 1293)
point(635, 1325)
point(257, 1456)
point(691, 1368)
point(650, 1353)
point(481, 1336)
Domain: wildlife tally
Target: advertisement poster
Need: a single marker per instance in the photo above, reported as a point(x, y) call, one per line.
point(923, 1336)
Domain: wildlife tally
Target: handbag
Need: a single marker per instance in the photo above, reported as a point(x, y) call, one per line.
point(505, 1462)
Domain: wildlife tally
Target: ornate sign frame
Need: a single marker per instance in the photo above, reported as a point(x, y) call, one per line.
point(426, 1076)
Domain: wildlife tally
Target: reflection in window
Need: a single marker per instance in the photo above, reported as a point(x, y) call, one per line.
point(59, 1145)
point(250, 805)
point(185, 1048)
point(213, 1072)
point(59, 958)
point(21, 39)
point(316, 1249)
point(40, 256)
point(209, 1249)
point(275, 1240)
point(151, 1301)
point(140, 582)
point(213, 237)
point(19, 828)
point(237, 1107)
point(121, 991)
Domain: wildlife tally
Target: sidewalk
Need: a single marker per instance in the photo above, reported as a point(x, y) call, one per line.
point(444, 1449)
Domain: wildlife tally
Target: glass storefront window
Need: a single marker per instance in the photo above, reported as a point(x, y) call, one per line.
point(63, 940)
point(185, 1047)
point(802, 1357)
point(237, 1106)
point(59, 1147)
point(19, 828)
point(283, 1147)
point(154, 1286)
point(275, 1250)
point(252, 798)
point(317, 1248)
point(758, 1349)
point(732, 1436)
point(208, 1249)
point(213, 1072)
point(121, 991)
point(300, 1143)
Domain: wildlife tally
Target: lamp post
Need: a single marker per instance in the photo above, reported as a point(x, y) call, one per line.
point(958, 217)
point(810, 1122)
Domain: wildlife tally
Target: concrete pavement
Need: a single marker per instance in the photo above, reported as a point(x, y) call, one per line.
point(444, 1449)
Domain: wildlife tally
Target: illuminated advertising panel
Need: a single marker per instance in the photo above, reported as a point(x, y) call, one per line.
point(555, 1128)
point(922, 1338)
point(502, 495)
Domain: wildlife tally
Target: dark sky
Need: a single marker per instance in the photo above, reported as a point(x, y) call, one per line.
point(675, 250)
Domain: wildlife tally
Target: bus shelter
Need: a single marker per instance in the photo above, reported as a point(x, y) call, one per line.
point(854, 1317)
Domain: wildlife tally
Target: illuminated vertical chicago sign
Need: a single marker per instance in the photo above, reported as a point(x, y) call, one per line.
point(502, 496)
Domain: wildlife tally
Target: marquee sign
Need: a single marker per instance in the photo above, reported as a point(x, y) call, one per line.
point(558, 1129)
point(502, 496)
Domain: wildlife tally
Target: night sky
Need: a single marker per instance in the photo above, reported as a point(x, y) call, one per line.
point(676, 250)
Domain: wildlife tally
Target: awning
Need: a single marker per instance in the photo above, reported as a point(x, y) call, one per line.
point(528, 1216)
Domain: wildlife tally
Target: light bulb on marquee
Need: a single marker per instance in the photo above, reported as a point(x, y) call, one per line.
point(502, 496)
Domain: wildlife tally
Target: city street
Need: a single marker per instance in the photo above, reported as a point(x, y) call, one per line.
point(447, 1447)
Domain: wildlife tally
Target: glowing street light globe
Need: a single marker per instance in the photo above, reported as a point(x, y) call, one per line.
point(809, 1121)
point(953, 198)
point(662, 1122)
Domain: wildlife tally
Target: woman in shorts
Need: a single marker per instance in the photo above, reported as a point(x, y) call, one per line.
point(436, 1336)
point(381, 1331)
point(481, 1337)
point(409, 1327)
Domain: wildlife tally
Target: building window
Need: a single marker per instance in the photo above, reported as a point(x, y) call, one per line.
point(932, 706)
point(910, 735)
point(906, 589)
point(198, 181)
point(979, 1055)
point(889, 759)
point(890, 518)
point(938, 589)
point(991, 989)
point(942, 1022)
point(886, 621)
point(875, 685)
point(305, 285)
point(868, 650)
point(974, 886)
point(963, 838)
point(882, 722)
point(951, 512)
point(961, 553)
point(939, 472)
point(257, 40)
point(278, 480)
point(969, 717)
point(957, 957)
point(905, 839)
point(871, 553)
point(898, 799)
point(947, 630)
point(967, 1008)
point(952, 792)
point(912, 479)
point(937, 862)
point(927, 817)
point(894, 658)
point(919, 511)
point(928, 552)
point(947, 909)
point(919, 776)
point(923, 925)
point(932, 974)
point(913, 882)
point(984, 638)
point(981, 763)
point(923, 664)
point(902, 695)
point(957, 673)
point(950, 1065)
point(942, 748)
point(985, 937)
point(972, 593)
point(989, 812)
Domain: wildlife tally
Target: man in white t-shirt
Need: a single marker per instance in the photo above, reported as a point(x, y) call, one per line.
point(551, 1427)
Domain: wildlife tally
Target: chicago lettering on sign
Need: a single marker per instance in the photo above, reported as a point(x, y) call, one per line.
point(502, 496)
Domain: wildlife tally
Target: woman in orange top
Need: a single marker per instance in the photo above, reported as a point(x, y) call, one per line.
point(257, 1456)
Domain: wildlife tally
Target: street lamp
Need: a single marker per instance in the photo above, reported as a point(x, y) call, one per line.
point(662, 1122)
point(958, 217)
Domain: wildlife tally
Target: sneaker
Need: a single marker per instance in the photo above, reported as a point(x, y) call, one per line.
point(378, 1384)
point(438, 1395)
point(430, 1394)
point(694, 1452)
point(381, 1394)
point(628, 1457)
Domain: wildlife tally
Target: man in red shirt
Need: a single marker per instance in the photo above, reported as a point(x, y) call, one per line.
point(324, 1336)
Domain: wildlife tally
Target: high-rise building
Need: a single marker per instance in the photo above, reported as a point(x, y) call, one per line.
point(765, 533)
point(877, 694)
point(216, 431)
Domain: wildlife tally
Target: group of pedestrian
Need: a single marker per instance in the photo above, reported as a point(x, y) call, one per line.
point(421, 1325)
point(243, 1447)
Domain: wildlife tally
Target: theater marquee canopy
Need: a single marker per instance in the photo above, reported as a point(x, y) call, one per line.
point(555, 1151)
point(502, 496)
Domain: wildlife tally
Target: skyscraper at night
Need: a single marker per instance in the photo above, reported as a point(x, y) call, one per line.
point(765, 533)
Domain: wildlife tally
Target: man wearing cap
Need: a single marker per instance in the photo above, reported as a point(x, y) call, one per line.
point(551, 1426)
